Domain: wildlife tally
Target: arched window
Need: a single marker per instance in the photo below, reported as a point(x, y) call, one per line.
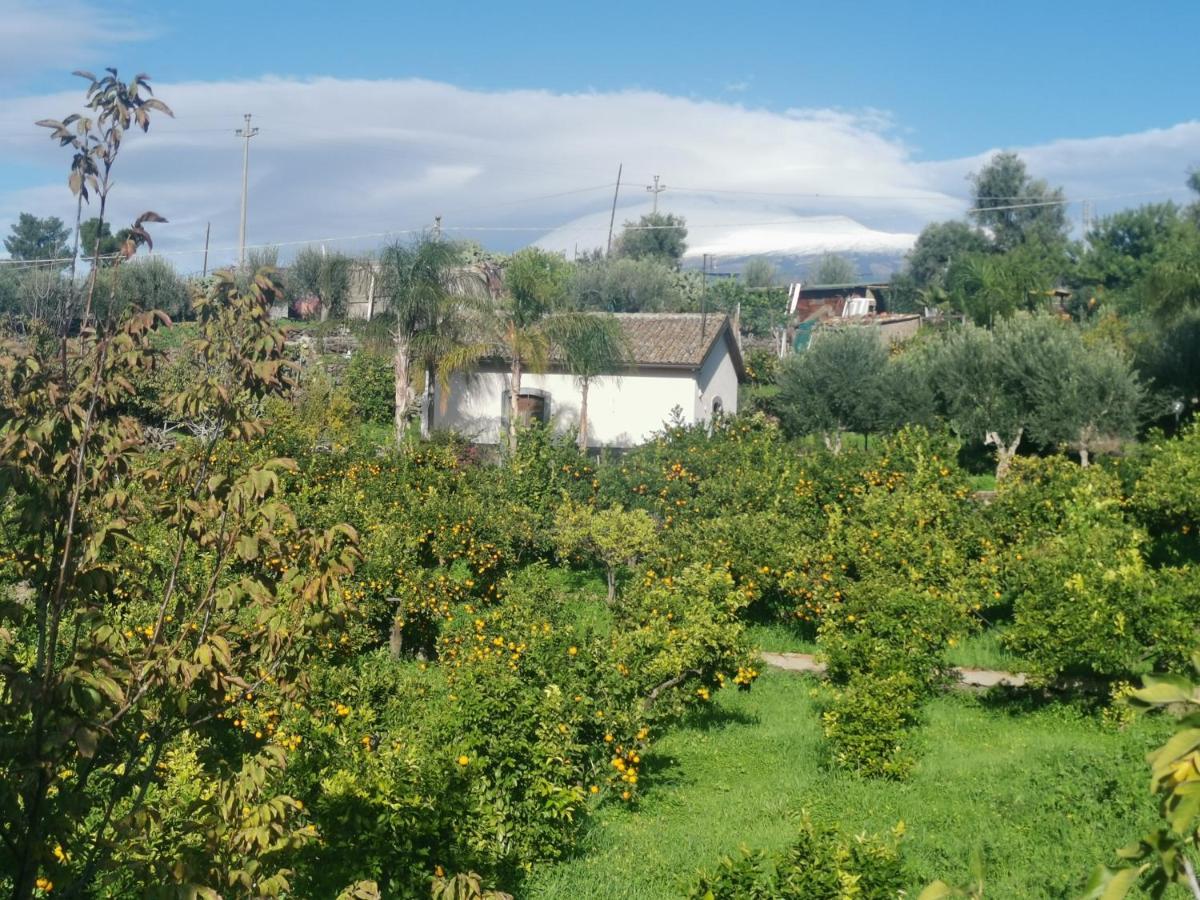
point(533, 405)
point(717, 407)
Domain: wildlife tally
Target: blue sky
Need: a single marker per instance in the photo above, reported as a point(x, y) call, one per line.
point(957, 77)
point(777, 126)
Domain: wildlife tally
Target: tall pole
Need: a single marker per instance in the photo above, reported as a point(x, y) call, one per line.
point(613, 218)
point(207, 229)
point(656, 189)
point(245, 134)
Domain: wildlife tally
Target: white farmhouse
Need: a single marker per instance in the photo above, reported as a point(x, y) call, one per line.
point(689, 361)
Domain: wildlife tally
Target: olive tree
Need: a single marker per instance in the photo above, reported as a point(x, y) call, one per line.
point(835, 385)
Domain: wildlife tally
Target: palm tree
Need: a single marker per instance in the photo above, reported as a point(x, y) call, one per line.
point(594, 346)
point(428, 291)
point(526, 323)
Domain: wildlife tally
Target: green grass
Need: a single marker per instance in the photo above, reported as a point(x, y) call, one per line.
point(985, 482)
point(983, 651)
point(979, 651)
point(777, 637)
point(1045, 793)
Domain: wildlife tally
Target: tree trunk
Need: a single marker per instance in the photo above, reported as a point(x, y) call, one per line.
point(583, 416)
point(1084, 456)
point(833, 441)
point(401, 364)
point(612, 585)
point(396, 638)
point(427, 404)
point(1004, 452)
point(514, 397)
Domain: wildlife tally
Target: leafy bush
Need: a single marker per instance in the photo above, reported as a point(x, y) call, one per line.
point(371, 385)
point(822, 864)
point(870, 721)
point(1165, 499)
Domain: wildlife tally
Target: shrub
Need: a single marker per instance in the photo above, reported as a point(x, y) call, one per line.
point(1087, 603)
point(821, 864)
point(615, 538)
point(870, 721)
point(370, 383)
point(1165, 499)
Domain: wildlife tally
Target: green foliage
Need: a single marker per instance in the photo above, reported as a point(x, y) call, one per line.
point(821, 863)
point(145, 284)
point(1164, 500)
point(615, 538)
point(834, 386)
point(626, 284)
point(1087, 603)
point(656, 236)
point(1166, 855)
point(370, 383)
point(831, 269)
point(759, 272)
point(937, 248)
point(1014, 206)
point(34, 238)
point(326, 276)
point(870, 722)
point(96, 238)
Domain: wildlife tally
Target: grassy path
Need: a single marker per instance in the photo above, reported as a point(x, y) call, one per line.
point(1045, 793)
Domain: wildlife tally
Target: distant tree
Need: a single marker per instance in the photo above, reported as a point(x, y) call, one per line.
point(150, 283)
point(1122, 248)
point(834, 386)
point(832, 269)
point(938, 246)
point(614, 537)
point(625, 285)
point(1171, 285)
point(660, 236)
point(1090, 396)
point(596, 347)
point(528, 321)
point(109, 245)
point(989, 385)
point(759, 272)
point(762, 312)
point(326, 276)
point(425, 286)
point(33, 238)
point(38, 294)
point(992, 286)
point(1015, 207)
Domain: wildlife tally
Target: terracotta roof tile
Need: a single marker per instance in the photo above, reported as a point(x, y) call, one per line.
point(671, 339)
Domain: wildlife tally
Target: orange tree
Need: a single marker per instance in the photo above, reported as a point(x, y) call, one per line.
point(109, 683)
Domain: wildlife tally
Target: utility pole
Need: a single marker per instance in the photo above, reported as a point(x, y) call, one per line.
point(437, 228)
point(245, 134)
point(207, 229)
point(703, 296)
point(656, 189)
point(1087, 217)
point(613, 218)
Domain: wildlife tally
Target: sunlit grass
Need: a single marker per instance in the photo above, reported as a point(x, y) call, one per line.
point(1045, 793)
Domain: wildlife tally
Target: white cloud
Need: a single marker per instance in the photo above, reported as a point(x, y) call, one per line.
point(50, 34)
point(337, 158)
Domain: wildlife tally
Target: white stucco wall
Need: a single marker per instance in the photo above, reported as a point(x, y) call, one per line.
point(622, 411)
point(717, 378)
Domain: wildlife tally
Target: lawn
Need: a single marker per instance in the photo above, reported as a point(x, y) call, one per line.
point(1044, 793)
point(981, 650)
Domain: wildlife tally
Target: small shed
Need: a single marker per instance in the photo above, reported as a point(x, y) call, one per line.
point(690, 362)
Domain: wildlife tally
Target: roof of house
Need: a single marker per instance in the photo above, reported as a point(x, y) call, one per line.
point(677, 339)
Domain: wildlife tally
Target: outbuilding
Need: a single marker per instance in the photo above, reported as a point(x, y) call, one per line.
point(685, 364)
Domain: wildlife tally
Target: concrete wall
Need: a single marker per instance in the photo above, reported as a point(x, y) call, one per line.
point(717, 379)
point(622, 411)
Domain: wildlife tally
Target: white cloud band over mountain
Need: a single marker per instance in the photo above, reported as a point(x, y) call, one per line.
point(353, 163)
